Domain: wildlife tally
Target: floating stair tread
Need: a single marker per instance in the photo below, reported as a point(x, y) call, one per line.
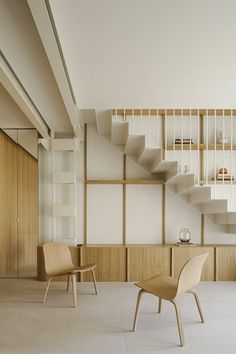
point(63, 177)
point(63, 210)
point(163, 166)
point(134, 144)
point(148, 155)
point(119, 131)
point(64, 144)
point(227, 218)
point(185, 178)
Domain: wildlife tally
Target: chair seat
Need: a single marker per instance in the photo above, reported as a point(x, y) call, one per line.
point(84, 268)
point(162, 286)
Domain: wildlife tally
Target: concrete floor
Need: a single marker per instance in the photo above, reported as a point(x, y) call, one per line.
point(102, 323)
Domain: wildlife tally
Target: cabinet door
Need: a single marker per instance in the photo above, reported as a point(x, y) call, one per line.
point(27, 213)
point(8, 206)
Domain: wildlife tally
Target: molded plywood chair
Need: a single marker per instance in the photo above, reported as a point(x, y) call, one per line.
point(169, 288)
point(58, 261)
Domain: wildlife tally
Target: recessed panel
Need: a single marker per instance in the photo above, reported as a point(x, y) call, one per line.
point(144, 214)
point(104, 214)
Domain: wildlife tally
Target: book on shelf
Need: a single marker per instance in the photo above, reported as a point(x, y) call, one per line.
point(184, 141)
point(223, 178)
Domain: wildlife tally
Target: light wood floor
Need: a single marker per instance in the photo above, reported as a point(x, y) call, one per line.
point(102, 323)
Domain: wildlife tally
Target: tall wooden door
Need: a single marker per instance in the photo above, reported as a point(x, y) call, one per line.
point(8, 206)
point(18, 210)
point(27, 239)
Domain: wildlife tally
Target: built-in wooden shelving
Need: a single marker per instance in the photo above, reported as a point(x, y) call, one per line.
point(204, 182)
point(123, 181)
point(201, 147)
point(172, 112)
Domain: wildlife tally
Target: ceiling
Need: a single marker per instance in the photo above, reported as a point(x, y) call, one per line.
point(138, 53)
point(11, 116)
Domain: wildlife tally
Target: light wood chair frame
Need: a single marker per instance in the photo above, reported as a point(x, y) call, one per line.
point(172, 298)
point(71, 275)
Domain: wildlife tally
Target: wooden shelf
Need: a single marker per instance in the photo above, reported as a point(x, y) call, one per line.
point(177, 112)
point(217, 182)
point(219, 147)
point(124, 181)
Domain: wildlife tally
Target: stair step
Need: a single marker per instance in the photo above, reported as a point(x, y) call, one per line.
point(214, 206)
point(63, 177)
point(148, 155)
point(119, 132)
point(62, 210)
point(226, 218)
point(199, 194)
point(134, 144)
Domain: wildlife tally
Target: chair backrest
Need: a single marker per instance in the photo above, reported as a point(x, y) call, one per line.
point(57, 258)
point(190, 274)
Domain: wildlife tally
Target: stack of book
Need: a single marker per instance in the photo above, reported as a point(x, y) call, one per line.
point(223, 176)
point(185, 141)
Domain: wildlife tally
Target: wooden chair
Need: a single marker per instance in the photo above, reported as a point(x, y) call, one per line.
point(58, 261)
point(169, 288)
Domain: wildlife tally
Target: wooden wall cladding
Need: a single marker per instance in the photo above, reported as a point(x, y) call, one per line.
point(134, 263)
point(27, 214)
point(226, 263)
point(180, 255)
point(8, 205)
point(111, 262)
point(41, 274)
point(144, 262)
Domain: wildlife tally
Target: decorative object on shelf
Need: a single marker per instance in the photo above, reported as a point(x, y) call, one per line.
point(184, 235)
point(223, 170)
point(223, 139)
point(223, 175)
point(185, 244)
point(186, 169)
point(185, 141)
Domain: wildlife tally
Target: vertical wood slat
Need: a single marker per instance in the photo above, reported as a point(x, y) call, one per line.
point(8, 203)
point(201, 151)
point(180, 255)
point(202, 229)
point(27, 196)
point(226, 263)
point(124, 201)
point(85, 184)
point(111, 262)
point(163, 214)
point(146, 261)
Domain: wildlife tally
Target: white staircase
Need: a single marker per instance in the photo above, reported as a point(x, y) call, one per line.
point(137, 146)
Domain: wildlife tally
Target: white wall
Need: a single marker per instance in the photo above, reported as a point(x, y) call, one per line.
point(155, 53)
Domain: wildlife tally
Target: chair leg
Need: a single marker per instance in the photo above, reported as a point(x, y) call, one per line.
point(179, 322)
point(137, 309)
point(94, 281)
point(46, 291)
point(198, 304)
point(74, 287)
point(68, 282)
point(159, 305)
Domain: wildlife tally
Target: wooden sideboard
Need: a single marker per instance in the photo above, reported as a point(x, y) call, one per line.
point(137, 262)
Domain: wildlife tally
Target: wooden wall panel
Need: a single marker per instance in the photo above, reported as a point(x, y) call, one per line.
point(226, 263)
point(146, 261)
point(180, 256)
point(8, 206)
point(27, 213)
point(41, 274)
point(111, 262)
